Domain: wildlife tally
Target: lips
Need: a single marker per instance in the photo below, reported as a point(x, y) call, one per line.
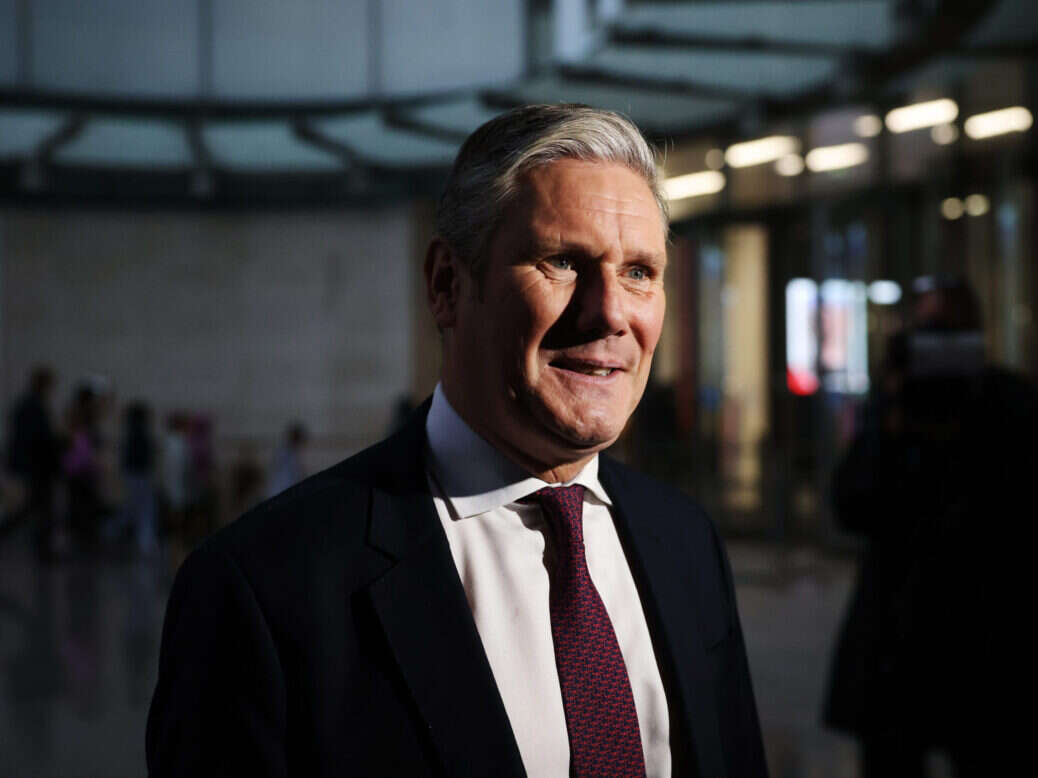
point(591, 367)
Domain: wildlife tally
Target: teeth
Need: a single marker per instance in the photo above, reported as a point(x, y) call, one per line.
point(600, 372)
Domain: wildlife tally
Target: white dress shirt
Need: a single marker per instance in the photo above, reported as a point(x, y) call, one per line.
point(499, 547)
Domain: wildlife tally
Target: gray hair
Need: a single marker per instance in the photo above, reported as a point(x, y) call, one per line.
point(491, 162)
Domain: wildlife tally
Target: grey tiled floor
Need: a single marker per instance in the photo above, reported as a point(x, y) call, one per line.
point(79, 643)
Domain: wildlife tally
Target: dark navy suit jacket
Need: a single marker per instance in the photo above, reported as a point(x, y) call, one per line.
point(327, 633)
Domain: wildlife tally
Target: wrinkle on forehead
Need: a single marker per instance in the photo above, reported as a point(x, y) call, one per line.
point(614, 205)
point(608, 202)
point(594, 201)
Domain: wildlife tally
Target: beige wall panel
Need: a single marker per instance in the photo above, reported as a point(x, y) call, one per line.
point(258, 318)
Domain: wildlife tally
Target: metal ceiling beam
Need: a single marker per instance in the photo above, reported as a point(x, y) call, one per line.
point(357, 170)
point(661, 39)
point(202, 178)
point(589, 74)
point(34, 173)
point(308, 134)
point(178, 108)
point(202, 159)
point(47, 146)
point(500, 99)
point(400, 119)
point(1005, 51)
point(941, 35)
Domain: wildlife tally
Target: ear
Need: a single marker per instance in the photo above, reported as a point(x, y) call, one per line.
point(442, 282)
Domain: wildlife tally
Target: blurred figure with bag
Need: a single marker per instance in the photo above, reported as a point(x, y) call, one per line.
point(81, 468)
point(138, 456)
point(933, 481)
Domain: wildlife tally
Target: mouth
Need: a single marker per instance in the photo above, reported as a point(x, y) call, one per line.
point(585, 367)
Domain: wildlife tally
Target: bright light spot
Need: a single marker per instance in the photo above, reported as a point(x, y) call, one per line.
point(977, 205)
point(943, 134)
point(920, 115)
point(868, 126)
point(843, 347)
point(986, 125)
point(715, 159)
point(952, 208)
point(757, 152)
point(790, 165)
point(801, 336)
point(836, 157)
point(884, 292)
point(693, 185)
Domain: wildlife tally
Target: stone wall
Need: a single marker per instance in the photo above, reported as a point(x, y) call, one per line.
point(256, 318)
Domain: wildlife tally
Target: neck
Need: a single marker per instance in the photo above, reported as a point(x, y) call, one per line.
point(552, 473)
point(563, 466)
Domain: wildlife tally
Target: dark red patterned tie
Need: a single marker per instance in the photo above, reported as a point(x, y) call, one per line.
point(603, 725)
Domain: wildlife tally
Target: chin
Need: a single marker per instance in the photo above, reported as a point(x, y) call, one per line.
point(582, 436)
point(571, 431)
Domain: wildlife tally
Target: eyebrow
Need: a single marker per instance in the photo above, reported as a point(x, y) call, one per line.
point(540, 246)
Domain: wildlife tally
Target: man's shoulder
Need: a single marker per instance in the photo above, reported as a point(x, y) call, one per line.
point(323, 515)
point(658, 499)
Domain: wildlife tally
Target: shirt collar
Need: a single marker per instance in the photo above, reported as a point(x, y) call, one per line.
point(475, 477)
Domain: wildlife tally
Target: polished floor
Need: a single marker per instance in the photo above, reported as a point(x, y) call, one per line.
point(79, 642)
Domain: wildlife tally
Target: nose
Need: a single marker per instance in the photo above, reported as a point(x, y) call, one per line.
point(601, 305)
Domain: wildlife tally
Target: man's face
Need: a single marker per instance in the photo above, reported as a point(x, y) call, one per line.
point(549, 353)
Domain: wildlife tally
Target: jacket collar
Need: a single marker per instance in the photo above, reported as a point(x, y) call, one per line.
point(426, 617)
point(664, 570)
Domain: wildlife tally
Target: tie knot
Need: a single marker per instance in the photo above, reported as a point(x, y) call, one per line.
point(563, 501)
point(564, 508)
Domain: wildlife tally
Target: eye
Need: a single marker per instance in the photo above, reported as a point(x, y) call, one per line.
point(561, 263)
point(638, 273)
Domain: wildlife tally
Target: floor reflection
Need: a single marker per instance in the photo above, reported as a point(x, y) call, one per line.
point(79, 648)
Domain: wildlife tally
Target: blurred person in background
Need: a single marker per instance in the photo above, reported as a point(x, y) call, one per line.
point(942, 466)
point(176, 483)
point(203, 508)
point(286, 469)
point(32, 455)
point(246, 480)
point(81, 467)
point(138, 468)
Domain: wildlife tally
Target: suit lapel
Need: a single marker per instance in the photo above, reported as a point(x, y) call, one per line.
point(427, 620)
point(663, 571)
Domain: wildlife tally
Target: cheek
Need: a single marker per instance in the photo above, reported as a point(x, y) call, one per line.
point(649, 326)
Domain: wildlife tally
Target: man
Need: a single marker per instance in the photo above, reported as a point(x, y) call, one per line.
point(434, 605)
point(286, 470)
point(32, 454)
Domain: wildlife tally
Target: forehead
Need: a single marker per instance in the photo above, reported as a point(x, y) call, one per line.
point(595, 200)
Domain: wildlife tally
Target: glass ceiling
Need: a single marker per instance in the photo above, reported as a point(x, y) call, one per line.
point(653, 110)
point(673, 88)
point(139, 143)
point(864, 23)
point(264, 147)
point(751, 73)
point(21, 131)
point(375, 142)
point(460, 116)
